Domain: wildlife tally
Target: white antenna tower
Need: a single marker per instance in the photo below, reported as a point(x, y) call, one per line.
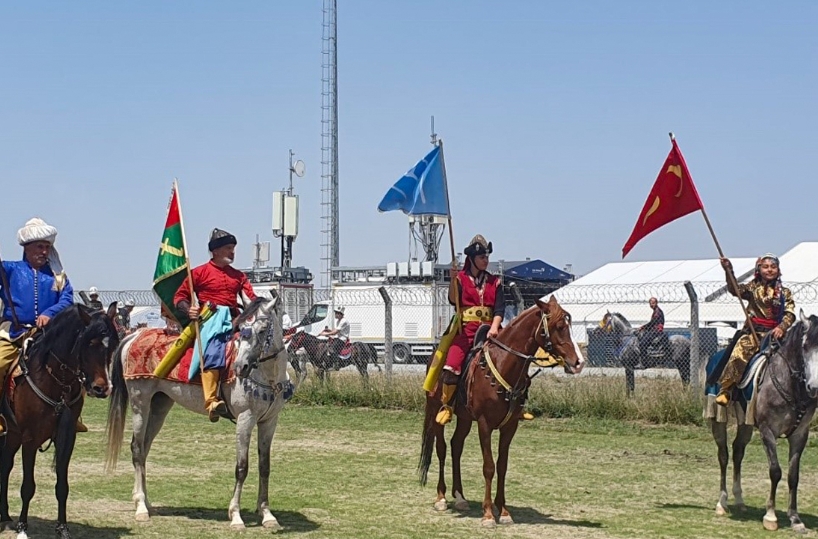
point(330, 256)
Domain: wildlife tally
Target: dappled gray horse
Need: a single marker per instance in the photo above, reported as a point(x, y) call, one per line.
point(629, 353)
point(255, 398)
point(783, 406)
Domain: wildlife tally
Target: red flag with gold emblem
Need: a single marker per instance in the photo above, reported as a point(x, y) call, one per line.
point(673, 195)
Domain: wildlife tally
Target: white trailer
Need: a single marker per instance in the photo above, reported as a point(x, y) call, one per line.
point(420, 313)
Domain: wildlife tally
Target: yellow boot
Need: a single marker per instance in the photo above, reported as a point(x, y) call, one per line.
point(444, 416)
point(527, 416)
point(210, 385)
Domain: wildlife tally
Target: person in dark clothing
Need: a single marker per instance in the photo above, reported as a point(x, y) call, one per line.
point(653, 328)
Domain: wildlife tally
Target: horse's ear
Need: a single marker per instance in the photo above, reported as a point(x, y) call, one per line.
point(84, 316)
point(111, 312)
point(543, 306)
point(804, 318)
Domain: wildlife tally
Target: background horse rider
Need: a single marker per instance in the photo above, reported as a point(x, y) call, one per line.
point(339, 336)
point(654, 327)
point(771, 309)
point(481, 297)
point(221, 284)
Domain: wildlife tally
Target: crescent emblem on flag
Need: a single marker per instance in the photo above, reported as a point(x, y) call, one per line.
point(652, 210)
point(677, 170)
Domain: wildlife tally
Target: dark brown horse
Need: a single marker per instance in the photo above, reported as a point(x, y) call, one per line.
point(324, 358)
point(69, 357)
point(492, 392)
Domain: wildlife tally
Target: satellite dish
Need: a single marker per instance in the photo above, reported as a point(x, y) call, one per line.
point(298, 168)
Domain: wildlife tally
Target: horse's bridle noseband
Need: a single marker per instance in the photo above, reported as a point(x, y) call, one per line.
point(265, 354)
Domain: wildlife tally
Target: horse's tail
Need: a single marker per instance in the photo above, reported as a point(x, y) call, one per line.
point(428, 443)
point(117, 408)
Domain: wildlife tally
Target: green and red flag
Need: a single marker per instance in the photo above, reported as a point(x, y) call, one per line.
point(673, 195)
point(172, 263)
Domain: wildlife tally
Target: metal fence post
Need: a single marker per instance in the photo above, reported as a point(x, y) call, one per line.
point(387, 331)
point(695, 355)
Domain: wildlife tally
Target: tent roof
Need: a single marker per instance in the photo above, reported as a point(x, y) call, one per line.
point(535, 270)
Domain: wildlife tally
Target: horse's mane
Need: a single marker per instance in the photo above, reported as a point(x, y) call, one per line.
point(251, 310)
point(792, 344)
point(621, 318)
point(61, 332)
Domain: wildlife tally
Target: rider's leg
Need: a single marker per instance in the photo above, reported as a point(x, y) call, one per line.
point(744, 350)
point(8, 353)
point(210, 385)
point(450, 376)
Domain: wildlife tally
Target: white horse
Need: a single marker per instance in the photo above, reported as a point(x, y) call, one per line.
point(255, 397)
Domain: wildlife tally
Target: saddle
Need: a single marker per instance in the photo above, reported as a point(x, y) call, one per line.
point(346, 351)
point(658, 346)
point(150, 346)
point(743, 392)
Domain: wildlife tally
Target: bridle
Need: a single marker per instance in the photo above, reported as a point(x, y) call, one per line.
point(546, 336)
point(268, 350)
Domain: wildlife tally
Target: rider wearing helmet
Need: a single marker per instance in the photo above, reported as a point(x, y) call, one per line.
point(481, 297)
point(93, 299)
point(771, 309)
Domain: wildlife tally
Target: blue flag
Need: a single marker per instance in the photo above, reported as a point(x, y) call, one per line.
point(421, 191)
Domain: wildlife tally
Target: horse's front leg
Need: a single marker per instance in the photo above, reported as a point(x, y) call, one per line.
point(484, 431)
point(27, 490)
point(769, 439)
point(266, 431)
point(6, 464)
point(798, 440)
point(244, 430)
point(744, 434)
point(461, 431)
point(63, 452)
point(506, 435)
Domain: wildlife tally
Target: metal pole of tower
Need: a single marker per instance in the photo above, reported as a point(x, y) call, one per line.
point(329, 143)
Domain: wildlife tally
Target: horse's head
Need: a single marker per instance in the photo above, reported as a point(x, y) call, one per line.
point(555, 337)
point(809, 347)
point(615, 323)
point(261, 337)
point(605, 324)
point(96, 344)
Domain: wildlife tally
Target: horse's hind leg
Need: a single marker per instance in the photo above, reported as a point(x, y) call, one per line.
point(265, 440)
point(458, 442)
point(244, 430)
point(798, 440)
point(630, 380)
point(743, 435)
point(769, 439)
point(440, 449)
point(720, 437)
point(139, 455)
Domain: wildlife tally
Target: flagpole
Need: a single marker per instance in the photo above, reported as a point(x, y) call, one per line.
point(731, 278)
point(449, 217)
point(194, 301)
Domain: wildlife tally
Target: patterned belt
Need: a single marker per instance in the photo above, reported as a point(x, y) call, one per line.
point(477, 314)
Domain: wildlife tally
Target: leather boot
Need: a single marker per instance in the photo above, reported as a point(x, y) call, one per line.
point(210, 385)
point(729, 378)
point(527, 416)
point(444, 416)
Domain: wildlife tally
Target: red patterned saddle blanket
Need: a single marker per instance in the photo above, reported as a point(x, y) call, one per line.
point(151, 345)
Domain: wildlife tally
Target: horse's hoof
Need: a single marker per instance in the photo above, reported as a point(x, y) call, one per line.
point(506, 519)
point(770, 525)
point(799, 528)
point(143, 517)
point(6, 525)
point(441, 505)
point(461, 505)
point(720, 510)
point(238, 526)
point(740, 508)
point(488, 523)
point(271, 524)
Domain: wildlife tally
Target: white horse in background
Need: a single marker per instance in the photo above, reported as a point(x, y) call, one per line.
point(255, 397)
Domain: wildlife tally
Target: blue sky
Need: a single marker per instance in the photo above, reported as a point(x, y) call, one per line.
point(555, 118)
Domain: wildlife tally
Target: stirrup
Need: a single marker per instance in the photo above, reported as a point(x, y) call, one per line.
point(444, 416)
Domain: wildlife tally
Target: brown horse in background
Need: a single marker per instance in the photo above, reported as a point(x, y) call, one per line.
point(492, 392)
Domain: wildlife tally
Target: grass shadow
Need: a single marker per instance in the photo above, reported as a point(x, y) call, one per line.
point(749, 514)
point(682, 506)
point(291, 521)
point(45, 528)
point(529, 515)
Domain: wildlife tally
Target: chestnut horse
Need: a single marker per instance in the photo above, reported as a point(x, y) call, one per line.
point(492, 392)
point(70, 357)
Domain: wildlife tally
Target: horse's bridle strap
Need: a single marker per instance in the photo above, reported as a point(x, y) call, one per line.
point(494, 370)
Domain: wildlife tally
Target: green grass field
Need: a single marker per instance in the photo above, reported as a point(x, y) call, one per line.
point(346, 472)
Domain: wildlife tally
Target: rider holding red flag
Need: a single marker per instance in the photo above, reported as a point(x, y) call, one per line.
point(481, 297)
